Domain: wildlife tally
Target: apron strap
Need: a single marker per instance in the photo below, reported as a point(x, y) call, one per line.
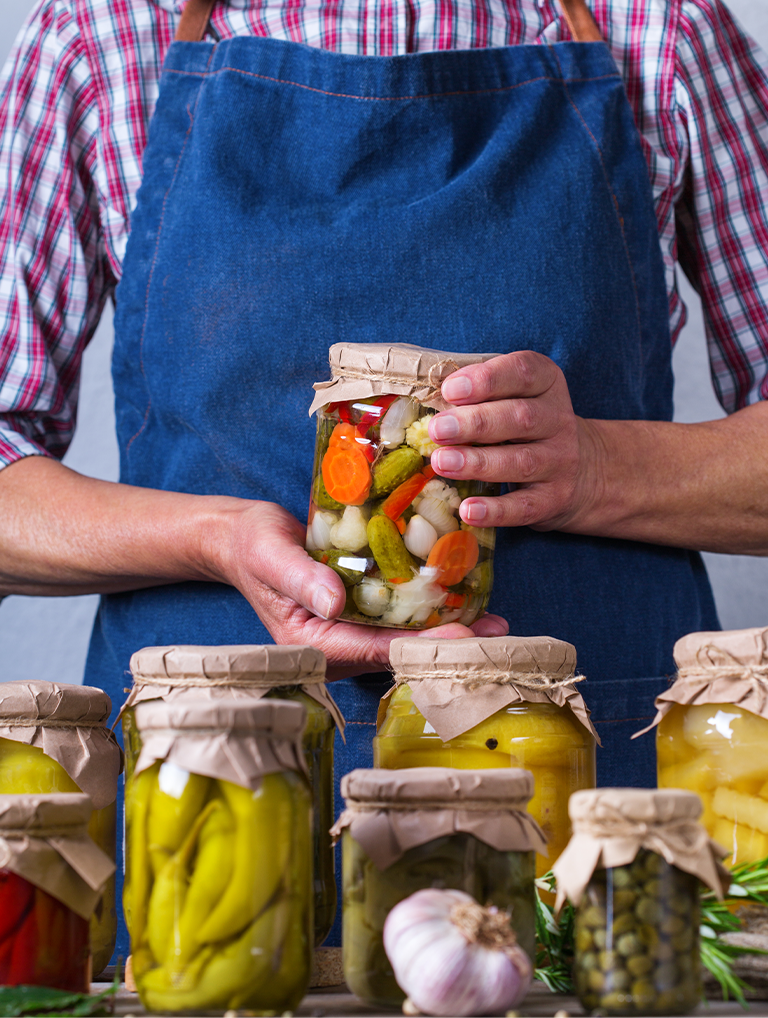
point(578, 17)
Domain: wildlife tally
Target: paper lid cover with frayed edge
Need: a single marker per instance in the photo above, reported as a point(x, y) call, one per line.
point(68, 723)
point(720, 667)
point(456, 684)
point(389, 812)
point(361, 370)
point(229, 740)
point(611, 825)
point(44, 839)
point(231, 672)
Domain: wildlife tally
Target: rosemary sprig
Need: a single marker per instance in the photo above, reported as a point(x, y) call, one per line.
point(554, 940)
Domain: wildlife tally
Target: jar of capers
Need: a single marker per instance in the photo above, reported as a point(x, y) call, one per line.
point(633, 869)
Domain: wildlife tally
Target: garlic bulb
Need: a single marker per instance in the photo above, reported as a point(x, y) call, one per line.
point(319, 531)
point(402, 413)
point(419, 537)
point(371, 596)
point(453, 957)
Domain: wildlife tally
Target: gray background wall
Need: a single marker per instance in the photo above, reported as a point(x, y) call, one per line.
point(47, 638)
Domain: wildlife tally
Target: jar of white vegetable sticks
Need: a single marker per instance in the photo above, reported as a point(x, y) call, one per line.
point(406, 830)
point(378, 514)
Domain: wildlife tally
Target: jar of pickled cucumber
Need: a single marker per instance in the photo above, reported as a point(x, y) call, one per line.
point(51, 879)
point(492, 702)
point(378, 515)
point(218, 884)
point(54, 738)
point(248, 673)
point(633, 869)
point(712, 733)
point(406, 830)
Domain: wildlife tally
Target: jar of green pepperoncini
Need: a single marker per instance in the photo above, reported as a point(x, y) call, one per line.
point(493, 702)
point(54, 738)
point(406, 830)
point(378, 515)
point(633, 869)
point(218, 883)
point(247, 673)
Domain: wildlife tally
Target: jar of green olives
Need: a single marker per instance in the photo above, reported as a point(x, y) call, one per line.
point(54, 738)
point(633, 869)
point(247, 673)
point(406, 830)
point(218, 883)
point(378, 515)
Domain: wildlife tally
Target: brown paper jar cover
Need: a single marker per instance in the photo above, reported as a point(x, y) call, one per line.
point(44, 839)
point(391, 811)
point(230, 672)
point(720, 667)
point(611, 825)
point(69, 724)
point(456, 684)
point(230, 740)
point(361, 370)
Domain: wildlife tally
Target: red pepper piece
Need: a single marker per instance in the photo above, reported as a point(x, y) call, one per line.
point(378, 409)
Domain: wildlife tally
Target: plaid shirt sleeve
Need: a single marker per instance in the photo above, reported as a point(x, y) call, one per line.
point(722, 221)
point(54, 274)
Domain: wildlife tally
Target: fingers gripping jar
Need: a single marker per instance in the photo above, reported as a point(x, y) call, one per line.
point(492, 702)
point(51, 878)
point(403, 831)
point(218, 887)
point(54, 738)
point(378, 515)
point(712, 735)
point(633, 869)
point(248, 673)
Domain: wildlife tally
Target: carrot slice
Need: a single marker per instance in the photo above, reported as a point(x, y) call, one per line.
point(346, 473)
point(455, 600)
point(400, 524)
point(395, 504)
point(453, 555)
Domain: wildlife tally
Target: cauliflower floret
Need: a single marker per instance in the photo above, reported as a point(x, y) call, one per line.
point(417, 436)
point(350, 533)
point(439, 489)
point(415, 600)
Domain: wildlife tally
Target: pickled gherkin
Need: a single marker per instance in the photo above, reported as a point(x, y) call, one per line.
point(223, 922)
point(460, 862)
point(637, 940)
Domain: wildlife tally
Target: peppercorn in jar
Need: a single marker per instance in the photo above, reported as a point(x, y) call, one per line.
point(406, 830)
point(633, 869)
point(378, 514)
point(248, 673)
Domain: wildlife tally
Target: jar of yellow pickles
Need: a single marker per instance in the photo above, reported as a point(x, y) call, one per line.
point(712, 735)
point(378, 515)
point(403, 831)
point(247, 673)
point(492, 702)
point(633, 870)
point(218, 884)
point(54, 738)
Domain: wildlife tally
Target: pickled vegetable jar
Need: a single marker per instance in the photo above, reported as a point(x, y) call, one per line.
point(633, 870)
point(247, 673)
point(48, 890)
point(54, 738)
point(466, 830)
point(713, 732)
point(218, 888)
point(493, 702)
point(378, 515)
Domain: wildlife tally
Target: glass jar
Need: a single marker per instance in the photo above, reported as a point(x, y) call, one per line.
point(247, 673)
point(637, 940)
point(551, 740)
point(436, 802)
point(378, 515)
point(67, 728)
point(45, 900)
point(218, 888)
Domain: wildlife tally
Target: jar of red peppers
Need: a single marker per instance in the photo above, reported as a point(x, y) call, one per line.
point(378, 514)
point(51, 877)
point(248, 673)
point(54, 738)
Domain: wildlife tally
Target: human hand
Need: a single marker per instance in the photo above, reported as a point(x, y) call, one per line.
point(513, 421)
point(265, 559)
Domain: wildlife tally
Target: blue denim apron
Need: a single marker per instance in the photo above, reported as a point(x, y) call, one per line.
point(477, 200)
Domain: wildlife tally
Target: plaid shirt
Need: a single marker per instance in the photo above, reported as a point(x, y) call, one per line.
point(82, 81)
